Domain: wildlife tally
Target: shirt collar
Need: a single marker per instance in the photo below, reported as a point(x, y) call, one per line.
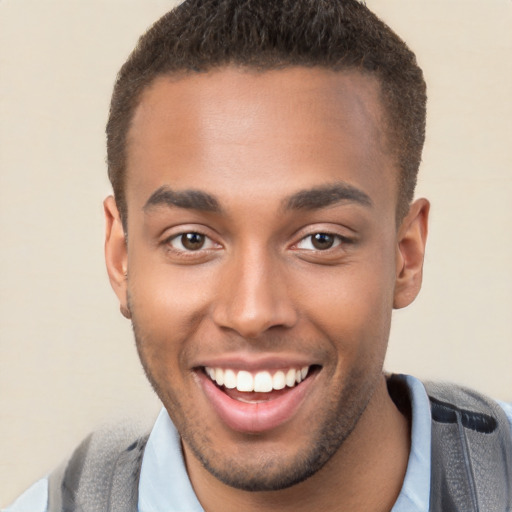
point(415, 493)
point(164, 484)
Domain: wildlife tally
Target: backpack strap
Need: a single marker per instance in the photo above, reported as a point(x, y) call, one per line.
point(471, 452)
point(102, 475)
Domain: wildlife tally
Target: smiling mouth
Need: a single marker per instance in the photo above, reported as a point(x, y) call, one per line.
point(259, 400)
point(257, 386)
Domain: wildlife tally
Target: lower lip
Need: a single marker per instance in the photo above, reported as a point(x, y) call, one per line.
point(255, 417)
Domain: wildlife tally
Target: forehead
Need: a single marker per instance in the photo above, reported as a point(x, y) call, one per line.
point(296, 127)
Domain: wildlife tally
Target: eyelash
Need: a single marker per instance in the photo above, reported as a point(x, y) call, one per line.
point(338, 241)
point(184, 250)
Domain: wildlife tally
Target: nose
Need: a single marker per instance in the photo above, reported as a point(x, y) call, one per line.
point(253, 296)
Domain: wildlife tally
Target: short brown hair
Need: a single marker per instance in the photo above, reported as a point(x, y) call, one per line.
point(200, 35)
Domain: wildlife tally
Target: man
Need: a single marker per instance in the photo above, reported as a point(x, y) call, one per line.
point(263, 158)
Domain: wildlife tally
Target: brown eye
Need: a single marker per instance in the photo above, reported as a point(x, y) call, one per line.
point(191, 244)
point(322, 241)
point(192, 241)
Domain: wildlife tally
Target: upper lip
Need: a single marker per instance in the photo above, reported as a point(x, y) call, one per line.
point(256, 362)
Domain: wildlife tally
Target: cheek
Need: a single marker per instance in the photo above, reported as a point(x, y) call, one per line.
point(352, 304)
point(165, 294)
point(167, 304)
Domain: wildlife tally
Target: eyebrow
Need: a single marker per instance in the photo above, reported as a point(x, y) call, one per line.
point(189, 199)
point(309, 199)
point(327, 195)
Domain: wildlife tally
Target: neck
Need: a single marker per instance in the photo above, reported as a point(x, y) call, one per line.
point(366, 473)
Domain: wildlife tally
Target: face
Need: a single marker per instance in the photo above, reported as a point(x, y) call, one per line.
point(262, 263)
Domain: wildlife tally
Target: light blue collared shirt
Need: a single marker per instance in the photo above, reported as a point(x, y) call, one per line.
point(164, 484)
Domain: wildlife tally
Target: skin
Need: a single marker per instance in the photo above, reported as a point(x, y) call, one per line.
point(257, 143)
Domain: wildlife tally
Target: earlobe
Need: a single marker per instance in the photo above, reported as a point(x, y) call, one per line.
point(116, 253)
point(412, 237)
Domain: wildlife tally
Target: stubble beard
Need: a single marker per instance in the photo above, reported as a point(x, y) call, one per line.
point(278, 473)
point(267, 472)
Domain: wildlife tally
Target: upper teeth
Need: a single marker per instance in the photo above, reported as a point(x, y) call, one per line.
point(261, 382)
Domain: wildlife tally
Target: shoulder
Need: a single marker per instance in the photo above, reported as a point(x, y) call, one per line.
point(34, 499)
point(106, 453)
point(471, 450)
point(472, 405)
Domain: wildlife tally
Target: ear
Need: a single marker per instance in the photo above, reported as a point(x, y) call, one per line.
point(412, 237)
point(116, 253)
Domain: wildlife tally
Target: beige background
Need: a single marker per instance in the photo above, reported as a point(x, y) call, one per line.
point(67, 361)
